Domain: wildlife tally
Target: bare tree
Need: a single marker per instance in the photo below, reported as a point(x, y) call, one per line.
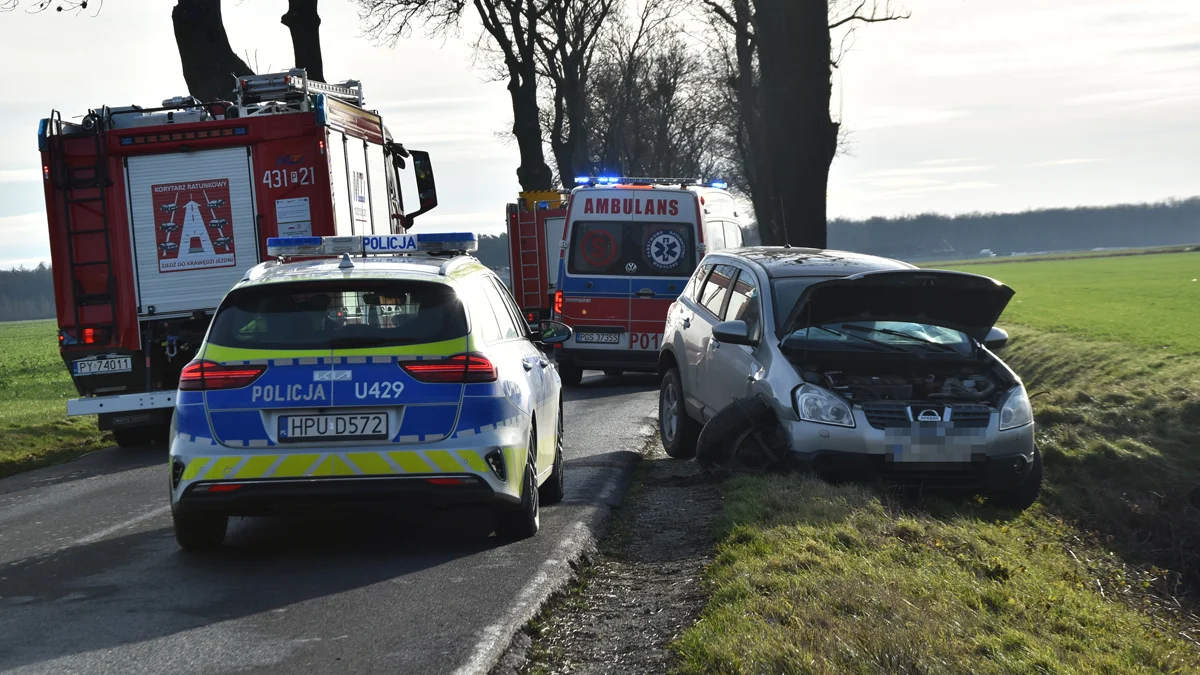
point(207, 59)
point(512, 27)
point(780, 65)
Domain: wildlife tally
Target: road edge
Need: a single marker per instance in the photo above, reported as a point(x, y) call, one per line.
point(556, 571)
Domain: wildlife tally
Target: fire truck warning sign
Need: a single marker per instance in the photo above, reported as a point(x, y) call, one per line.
point(194, 225)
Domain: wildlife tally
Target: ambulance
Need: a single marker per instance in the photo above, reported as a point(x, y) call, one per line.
point(629, 246)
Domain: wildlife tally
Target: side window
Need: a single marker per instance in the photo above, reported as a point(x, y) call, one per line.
point(506, 297)
point(716, 236)
point(733, 235)
point(716, 290)
point(483, 317)
point(743, 302)
point(692, 290)
point(508, 327)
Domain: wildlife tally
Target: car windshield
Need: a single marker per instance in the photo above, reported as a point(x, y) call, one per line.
point(786, 292)
point(616, 248)
point(894, 334)
point(333, 315)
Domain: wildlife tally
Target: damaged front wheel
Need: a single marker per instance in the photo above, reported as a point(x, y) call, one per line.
point(1024, 495)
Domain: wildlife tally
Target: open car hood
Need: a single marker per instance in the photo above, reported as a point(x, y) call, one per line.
point(965, 302)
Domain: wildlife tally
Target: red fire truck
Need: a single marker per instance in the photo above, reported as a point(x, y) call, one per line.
point(154, 213)
point(535, 229)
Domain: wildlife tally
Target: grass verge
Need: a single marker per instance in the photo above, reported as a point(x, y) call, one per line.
point(34, 388)
point(813, 578)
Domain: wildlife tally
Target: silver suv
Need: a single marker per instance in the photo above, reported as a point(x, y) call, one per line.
point(872, 367)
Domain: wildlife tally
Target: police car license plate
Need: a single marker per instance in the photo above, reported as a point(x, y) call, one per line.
point(113, 364)
point(356, 426)
point(600, 338)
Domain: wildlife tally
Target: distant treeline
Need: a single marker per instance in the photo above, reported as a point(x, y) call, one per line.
point(936, 236)
point(26, 294)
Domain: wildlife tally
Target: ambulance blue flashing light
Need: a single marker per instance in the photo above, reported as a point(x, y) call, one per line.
point(373, 244)
point(582, 180)
point(719, 184)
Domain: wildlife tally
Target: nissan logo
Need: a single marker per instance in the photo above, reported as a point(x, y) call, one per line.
point(929, 416)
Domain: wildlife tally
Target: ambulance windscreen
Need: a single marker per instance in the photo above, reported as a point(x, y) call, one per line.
point(339, 315)
point(615, 248)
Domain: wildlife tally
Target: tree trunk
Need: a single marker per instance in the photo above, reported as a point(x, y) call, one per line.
point(304, 23)
point(533, 174)
point(209, 64)
point(794, 52)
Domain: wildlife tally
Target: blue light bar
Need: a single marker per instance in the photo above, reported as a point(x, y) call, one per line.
point(582, 180)
point(373, 244)
point(719, 184)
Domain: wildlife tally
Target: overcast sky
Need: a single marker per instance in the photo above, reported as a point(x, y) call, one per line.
point(971, 105)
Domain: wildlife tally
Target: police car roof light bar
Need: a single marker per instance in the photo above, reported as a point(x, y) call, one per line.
point(373, 244)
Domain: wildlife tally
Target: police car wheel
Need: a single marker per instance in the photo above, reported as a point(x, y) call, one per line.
point(676, 428)
point(553, 491)
point(200, 532)
point(523, 522)
point(571, 375)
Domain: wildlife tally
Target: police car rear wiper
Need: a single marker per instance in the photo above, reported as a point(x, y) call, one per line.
point(367, 341)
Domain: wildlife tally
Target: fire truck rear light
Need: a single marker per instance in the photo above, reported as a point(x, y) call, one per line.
point(209, 375)
point(460, 368)
point(46, 172)
point(89, 336)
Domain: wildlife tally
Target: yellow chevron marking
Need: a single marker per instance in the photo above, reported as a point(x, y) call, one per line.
point(474, 461)
point(194, 468)
point(256, 466)
point(222, 468)
point(333, 466)
point(370, 463)
point(410, 462)
point(444, 461)
point(294, 466)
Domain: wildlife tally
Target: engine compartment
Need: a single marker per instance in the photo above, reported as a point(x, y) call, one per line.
point(903, 380)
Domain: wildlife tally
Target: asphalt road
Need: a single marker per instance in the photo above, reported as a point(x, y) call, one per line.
point(91, 580)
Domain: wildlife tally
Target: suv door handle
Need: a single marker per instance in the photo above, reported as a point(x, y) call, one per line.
point(527, 364)
point(687, 323)
point(645, 293)
point(543, 363)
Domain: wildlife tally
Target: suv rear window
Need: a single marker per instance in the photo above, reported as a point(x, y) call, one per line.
point(339, 315)
point(606, 248)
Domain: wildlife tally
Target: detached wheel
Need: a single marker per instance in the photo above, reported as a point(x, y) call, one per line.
point(677, 431)
point(553, 491)
point(1024, 495)
point(523, 522)
point(571, 375)
point(200, 532)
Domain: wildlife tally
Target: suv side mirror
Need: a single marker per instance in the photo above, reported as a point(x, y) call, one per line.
point(996, 338)
point(733, 332)
point(550, 332)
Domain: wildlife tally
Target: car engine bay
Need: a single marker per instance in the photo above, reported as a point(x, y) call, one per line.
point(948, 383)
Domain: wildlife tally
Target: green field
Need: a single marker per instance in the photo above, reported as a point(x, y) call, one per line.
point(34, 388)
point(1097, 578)
point(1149, 301)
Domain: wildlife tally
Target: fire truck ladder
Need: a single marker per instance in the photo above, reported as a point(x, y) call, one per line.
point(289, 91)
point(83, 187)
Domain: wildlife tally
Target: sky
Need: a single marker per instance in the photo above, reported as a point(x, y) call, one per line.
point(968, 106)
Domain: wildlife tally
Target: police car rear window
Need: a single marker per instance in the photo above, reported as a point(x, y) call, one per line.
point(339, 315)
point(616, 248)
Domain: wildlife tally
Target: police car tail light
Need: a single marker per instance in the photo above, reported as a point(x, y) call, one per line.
point(458, 368)
point(208, 375)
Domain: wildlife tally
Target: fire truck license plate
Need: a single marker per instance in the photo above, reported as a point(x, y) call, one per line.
point(358, 426)
point(116, 364)
point(602, 338)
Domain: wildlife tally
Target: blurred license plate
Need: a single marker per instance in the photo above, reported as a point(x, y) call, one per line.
point(601, 338)
point(116, 364)
point(931, 443)
point(357, 426)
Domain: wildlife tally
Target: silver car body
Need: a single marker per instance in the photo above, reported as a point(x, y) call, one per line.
point(922, 438)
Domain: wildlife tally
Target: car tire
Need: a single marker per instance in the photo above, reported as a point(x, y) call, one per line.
point(677, 430)
point(200, 532)
point(554, 489)
point(524, 521)
point(614, 372)
point(1024, 495)
point(571, 375)
point(725, 439)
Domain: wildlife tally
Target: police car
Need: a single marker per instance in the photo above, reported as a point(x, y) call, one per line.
point(400, 373)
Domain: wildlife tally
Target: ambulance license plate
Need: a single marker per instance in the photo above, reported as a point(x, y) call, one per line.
point(112, 364)
point(599, 338)
point(356, 426)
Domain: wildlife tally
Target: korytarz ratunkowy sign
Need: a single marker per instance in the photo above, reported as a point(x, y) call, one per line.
point(194, 225)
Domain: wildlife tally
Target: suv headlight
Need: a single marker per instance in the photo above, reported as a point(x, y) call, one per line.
point(814, 404)
point(1016, 411)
